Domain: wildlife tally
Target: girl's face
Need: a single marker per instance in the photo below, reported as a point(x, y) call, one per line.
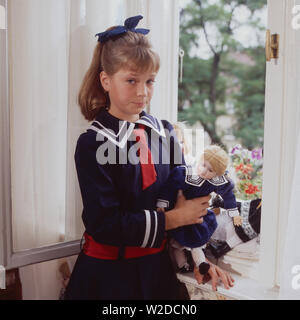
point(205, 171)
point(129, 92)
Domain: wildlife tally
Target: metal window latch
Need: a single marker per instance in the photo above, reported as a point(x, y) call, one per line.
point(2, 278)
point(272, 45)
point(181, 55)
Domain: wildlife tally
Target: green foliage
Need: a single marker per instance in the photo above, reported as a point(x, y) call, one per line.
point(250, 100)
point(208, 83)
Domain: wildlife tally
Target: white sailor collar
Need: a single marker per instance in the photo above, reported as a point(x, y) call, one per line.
point(195, 180)
point(118, 131)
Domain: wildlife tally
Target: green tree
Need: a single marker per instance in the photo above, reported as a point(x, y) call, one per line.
point(208, 83)
point(250, 100)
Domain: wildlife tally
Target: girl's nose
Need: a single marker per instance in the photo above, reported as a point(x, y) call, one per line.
point(142, 90)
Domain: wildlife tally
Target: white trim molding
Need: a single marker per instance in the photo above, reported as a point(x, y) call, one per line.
point(4, 143)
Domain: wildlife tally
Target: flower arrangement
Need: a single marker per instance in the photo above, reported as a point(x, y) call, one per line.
point(248, 169)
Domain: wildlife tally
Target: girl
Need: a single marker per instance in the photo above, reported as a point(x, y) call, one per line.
point(124, 255)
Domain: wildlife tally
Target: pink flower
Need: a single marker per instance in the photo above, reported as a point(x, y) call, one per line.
point(235, 148)
point(256, 154)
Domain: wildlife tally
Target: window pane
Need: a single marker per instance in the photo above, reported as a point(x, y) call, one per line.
point(223, 90)
point(50, 47)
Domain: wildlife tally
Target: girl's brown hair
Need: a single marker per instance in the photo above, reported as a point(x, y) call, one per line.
point(131, 51)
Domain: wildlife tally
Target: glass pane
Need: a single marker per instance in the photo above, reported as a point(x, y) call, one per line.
point(222, 91)
point(50, 48)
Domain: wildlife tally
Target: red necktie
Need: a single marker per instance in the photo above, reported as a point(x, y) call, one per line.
point(147, 166)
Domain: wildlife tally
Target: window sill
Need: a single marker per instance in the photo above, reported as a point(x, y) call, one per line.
point(244, 289)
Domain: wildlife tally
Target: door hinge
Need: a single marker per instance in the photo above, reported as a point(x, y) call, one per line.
point(272, 45)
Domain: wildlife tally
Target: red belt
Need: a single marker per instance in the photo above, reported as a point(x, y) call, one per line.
point(103, 251)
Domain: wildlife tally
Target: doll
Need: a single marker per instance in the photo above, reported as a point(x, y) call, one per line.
point(227, 235)
point(211, 176)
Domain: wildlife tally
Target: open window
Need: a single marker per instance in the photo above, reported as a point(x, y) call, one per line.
point(45, 52)
point(281, 126)
point(42, 64)
point(222, 91)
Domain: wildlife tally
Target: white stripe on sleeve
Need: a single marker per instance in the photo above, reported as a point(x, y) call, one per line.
point(155, 230)
point(148, 227)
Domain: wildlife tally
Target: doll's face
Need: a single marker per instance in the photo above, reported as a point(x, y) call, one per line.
point(205, 171)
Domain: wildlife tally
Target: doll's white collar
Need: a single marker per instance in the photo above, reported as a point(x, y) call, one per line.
point(195, 180)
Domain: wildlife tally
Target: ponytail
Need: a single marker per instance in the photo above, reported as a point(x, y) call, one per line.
point(92, 97)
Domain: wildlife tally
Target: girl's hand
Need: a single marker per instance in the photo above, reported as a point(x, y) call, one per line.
point(186, 211)
point(237, 221)
point(198, 206)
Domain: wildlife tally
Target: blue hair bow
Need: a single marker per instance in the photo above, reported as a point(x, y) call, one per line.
point(129, 25)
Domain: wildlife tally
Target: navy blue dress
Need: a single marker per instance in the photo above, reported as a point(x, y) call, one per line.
point(117, 212)
point(193, 186)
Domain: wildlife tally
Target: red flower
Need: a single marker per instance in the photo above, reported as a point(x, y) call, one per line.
point(240, 167)
point(245, 169)
point(251, 189)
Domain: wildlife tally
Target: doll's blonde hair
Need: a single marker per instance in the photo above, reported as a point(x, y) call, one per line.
point(131, 51)
point(217, 158)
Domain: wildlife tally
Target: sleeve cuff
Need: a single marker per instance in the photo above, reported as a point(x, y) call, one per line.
point(162, 203)
point(233, 212)
point(155, 229)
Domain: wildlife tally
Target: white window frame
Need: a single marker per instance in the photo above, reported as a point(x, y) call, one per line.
point(277, 160)
point(280, 113)
point(281, 126)
point(3, 157)
point(282, 122)
point(272, 154)
point(8, 258)
point(166, 98)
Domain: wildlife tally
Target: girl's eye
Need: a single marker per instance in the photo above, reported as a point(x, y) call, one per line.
point(150, 81)
point(131, 81)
